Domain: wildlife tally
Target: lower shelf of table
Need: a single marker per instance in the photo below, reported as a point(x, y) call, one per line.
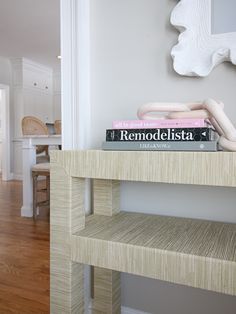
point(192, 252)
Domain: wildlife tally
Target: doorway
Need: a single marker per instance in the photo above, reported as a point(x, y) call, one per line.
point(4, 133)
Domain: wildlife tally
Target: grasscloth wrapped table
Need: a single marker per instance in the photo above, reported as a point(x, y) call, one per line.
point(192, 252)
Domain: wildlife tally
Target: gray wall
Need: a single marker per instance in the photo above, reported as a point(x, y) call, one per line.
point(131, 65)
point(223, 16)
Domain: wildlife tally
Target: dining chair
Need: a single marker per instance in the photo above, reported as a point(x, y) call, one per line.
point(34, 126)
point(57, 128)
point(38, 170)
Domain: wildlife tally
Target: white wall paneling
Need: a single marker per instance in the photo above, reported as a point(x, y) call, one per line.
point(18, 111)
point(6, 80)
point(39, 104)
point(5, 73)
point(37, 76)
point(17, 161)
point(32, 96)
point(38, 90)
point(33, 91)
point(5, 132)
point(57, 94)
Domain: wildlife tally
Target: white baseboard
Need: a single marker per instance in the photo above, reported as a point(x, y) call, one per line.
point(26, 212)
point(9, 178)
point(124, 310)
point(17, 177)
point(127, 310)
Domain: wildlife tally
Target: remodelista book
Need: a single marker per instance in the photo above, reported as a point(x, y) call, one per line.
point(159, 123)
point(208, 146)
point(174, 134)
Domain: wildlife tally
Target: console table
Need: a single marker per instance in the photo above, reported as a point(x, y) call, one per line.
point(191, 252)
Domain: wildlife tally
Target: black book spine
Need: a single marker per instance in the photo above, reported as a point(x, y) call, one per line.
point(173, 134)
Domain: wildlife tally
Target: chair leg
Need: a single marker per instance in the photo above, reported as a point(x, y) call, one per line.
point(35, 177)
point(48, 188)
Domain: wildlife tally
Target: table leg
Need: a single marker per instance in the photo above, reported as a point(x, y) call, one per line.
point(67, 217)
point(107, 299)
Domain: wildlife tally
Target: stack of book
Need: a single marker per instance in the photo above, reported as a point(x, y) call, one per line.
point(161, 135)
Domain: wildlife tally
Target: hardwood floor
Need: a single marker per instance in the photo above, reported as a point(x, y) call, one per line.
point(24, 255)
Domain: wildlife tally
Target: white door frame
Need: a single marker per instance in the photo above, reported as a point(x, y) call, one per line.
point(75, 73)
point(75, 77)
point(6, 150)
point(75, 87)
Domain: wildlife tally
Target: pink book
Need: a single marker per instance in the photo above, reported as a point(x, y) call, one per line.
point(158, 124)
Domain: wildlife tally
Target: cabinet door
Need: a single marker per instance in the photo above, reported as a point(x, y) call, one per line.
point(37, 80)
point(38, 104)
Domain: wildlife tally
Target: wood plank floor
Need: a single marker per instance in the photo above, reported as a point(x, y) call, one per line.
point(24, 255)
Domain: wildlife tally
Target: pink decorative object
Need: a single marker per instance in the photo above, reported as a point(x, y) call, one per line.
point(158, 124)
point(209, 109)
point(146, 112)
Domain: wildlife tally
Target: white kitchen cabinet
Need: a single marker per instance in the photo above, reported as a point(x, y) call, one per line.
point(32, 96)
point(34, 83)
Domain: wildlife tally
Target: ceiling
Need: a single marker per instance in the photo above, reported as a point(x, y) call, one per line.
point(30, 29)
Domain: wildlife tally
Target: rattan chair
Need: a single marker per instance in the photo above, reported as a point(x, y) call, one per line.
point(40, 170)
point(57, 126)
point(34, 126)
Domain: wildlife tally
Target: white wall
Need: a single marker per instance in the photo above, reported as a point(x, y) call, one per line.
point(6, 79)
point(57, 94)
point(131, 65)
point(1, 130)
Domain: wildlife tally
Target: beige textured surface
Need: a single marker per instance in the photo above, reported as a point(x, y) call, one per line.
point(107, 297)
point(66, 217)
point(210, 168)
point(106, 291)
point(192, 252)
point(186, 251)
point(106, 195)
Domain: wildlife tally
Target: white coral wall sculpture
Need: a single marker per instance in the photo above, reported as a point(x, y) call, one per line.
point(198, 50)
